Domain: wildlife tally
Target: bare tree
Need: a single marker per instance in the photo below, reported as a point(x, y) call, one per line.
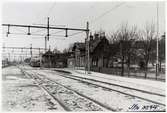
point(147, 37)
point(69, 48)
point(161, 51)
point(66, 50)
point(114, 46)
point(55, 50)
point(130, 46)
point(127, 37)
point(122, 42)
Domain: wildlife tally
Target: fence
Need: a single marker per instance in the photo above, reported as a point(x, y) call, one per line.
point(133, 73)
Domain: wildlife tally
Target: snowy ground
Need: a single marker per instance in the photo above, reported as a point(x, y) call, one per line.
point(113, 99)
point(151, 85)
point(20, 93)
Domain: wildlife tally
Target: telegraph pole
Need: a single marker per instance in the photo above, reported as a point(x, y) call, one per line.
point(22, 55)
point(39, 52)
point(87, 37)
point(45, 43)
point(31, 51)
point(48, 29)
point(40, 58)
point(157, 66)
point(9, 57)
point(47, 36)
point(49, 58)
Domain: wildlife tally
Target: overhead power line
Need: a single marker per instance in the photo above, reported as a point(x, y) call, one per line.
point(22, 31)
point(22, 48)
point(56, 33)
point(50, 25)
point(105, 13)
point(46, 14)
point(31, 26)
point(39, 30)
point(51, 8)
point(76, 33)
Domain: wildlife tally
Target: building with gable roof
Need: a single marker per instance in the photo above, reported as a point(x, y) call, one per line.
point(99, 53)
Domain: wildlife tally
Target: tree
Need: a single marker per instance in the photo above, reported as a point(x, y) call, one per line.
point(66, 50)
point(121, 43)
point(55, 50)
point(126, 38)
point(114, 46)
point(161, 51)
point(147, 37)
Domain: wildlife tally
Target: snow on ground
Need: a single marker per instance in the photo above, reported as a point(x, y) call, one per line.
point(143, 84)
point(20, 93)
point(118, 101)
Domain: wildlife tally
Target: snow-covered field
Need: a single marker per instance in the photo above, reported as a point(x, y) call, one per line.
point(20, 93)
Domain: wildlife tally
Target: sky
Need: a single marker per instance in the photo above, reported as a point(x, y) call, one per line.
point(107, 16)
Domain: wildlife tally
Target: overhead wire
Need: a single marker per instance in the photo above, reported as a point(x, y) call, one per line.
point(26, 34)
point(56, 32)
point(21, 30)
point(47, 14)
point(52, 34)
point(75, 33)
point(74, 22)
point(93, 21)
point(51, 8)
point(38, 30)
point(106, 12)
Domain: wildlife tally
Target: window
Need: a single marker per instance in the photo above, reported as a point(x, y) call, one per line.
point(95, 62)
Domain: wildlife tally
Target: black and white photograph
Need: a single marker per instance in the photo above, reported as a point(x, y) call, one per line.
point(72, 56)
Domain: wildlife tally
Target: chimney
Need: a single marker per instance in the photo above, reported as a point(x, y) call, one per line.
point(102, 35)
point(91, 36)
point(96, 36)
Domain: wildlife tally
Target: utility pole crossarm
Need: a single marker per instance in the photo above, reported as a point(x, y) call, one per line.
point(22, 48)
point(32, 26)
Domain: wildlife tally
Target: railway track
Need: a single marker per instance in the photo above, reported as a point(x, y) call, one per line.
point(69, 99)
point(114, 84)
point(150, 91)
point(141, 94)
point(96, 83)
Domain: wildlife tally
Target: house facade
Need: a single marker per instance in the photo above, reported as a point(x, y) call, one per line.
point(99, 53)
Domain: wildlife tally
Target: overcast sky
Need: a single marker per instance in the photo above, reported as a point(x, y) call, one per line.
point(75, 15)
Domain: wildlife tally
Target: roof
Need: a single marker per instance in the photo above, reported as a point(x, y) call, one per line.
point(93, 44)
point(48, 53)
point(79, 45)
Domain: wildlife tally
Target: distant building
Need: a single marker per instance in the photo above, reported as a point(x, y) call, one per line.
point(47, 59)
point(54, 60)
point(71, 60)
point(79, 54)
point(99, 53)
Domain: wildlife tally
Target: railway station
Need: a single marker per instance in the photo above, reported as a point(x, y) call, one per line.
point(83, 56)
